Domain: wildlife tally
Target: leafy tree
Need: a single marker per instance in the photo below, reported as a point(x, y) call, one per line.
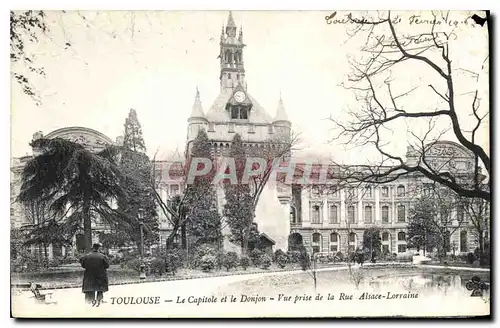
point(71, 178)
point(204, 227)
point(25, 28)
point(139, 198)
point(114, 239)
point(372, 240)
point(238, 206)
point(422, 233)
point(133, 138)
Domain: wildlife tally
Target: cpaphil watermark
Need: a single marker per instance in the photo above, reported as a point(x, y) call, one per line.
point(228, 170)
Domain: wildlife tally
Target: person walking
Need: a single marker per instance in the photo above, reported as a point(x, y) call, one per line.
point(95, 277)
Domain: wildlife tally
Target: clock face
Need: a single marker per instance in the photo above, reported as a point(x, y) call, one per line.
point(239, 96)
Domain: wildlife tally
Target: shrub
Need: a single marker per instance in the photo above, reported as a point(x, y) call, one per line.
point(293, 256)
point(471, 258)
point(282, 260)
point(265, 261)
point(157, 266)
point(221, 258)
point(230, 260)
point(200, 252)
point(208, 262)
point(173, 259)
point(133, 264)
point(244, 262)
point(256, 255)
point(277, 254)
point(304, 260)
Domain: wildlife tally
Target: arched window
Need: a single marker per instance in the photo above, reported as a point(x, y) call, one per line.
point(385, 214)
point(352, 238)
point(463, 241)
point(334, 214)
point(401, 236)
point(243, 113)
point(401, 213)
point(401, 191)
point(368, 214)
point(334, 242)
point(316, 242)
point(350, 214)
point(293, 214)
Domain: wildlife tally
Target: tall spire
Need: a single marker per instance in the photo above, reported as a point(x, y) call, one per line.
point(281, 112)
point(240, 37)
point(230, 26)
point(232, 71)
point(230, 20)
point(197, 107)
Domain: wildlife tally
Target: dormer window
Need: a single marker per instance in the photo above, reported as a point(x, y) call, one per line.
point(239, 113)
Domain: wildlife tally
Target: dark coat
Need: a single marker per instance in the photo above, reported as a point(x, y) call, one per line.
point(95, 277)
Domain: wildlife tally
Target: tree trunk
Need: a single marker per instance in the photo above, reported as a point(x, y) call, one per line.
point(170, 239)
point(184, 237)
point(246, 235)
point(87, 226)
point(481, 249)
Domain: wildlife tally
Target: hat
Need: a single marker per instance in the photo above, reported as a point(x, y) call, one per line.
point(96, 245)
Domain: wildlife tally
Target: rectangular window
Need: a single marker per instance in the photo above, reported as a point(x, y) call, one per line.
point(368, 192)
point(231, 127)
point(385, 191)
point(316, 214)
point(333, 248)
point(385, 214)
point(315, 249)
point(333, 214)
point(270, 128)
point(350, 214)
point(251, 128)
point(368, 214)
point(401, 248)
point(401, 213)
point(385, 249)
point(211, 127)
point(401, 191)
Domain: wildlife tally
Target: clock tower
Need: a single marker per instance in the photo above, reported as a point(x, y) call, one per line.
point(236, 111)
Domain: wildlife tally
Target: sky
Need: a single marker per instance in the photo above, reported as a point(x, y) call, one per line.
point(100, 64)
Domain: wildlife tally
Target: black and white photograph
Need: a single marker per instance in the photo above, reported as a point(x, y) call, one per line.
point(235, 164)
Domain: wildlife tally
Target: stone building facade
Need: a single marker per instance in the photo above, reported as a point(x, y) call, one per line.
point(288, 214)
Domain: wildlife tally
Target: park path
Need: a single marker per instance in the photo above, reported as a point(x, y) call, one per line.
point(70, 301)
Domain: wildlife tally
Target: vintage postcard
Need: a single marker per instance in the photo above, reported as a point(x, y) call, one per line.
point(250, 164)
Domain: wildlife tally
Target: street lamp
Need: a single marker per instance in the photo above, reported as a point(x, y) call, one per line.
point(142, 268)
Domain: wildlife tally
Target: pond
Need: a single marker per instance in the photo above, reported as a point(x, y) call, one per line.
point(415, 291)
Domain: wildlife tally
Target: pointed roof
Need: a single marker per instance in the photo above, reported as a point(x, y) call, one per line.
point(280, 112)
point(230, 20)
point(197, 107)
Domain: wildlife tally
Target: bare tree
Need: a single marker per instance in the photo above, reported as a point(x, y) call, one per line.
point(379, 84)
point(478, 214)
